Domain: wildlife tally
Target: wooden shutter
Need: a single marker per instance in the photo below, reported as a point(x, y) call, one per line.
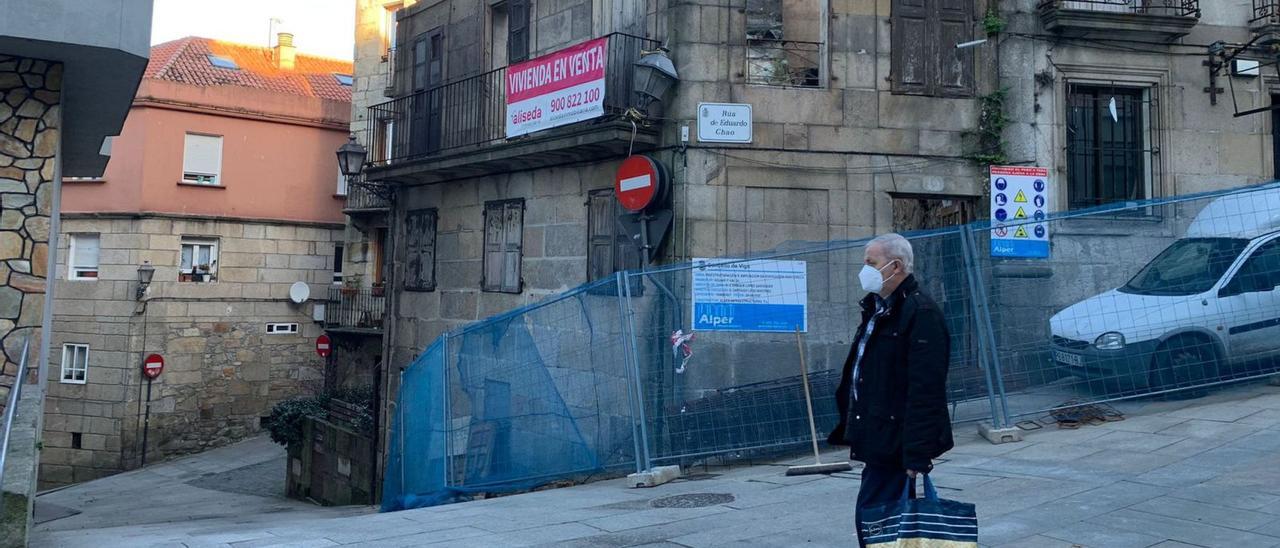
point(420, 63)
point(601, 219)
point(493, 242)
point(953, 24)
point(517, 31)
point(911, 46)
point(513, 248)
point(420, 250)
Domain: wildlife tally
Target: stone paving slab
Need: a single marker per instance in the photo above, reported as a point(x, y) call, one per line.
point(1202, 472)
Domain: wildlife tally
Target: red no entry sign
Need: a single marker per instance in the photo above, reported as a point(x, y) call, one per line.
point(323, 346)
point(152, 366)
point(637, 183)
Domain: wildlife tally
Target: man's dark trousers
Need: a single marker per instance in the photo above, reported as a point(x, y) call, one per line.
point(880, 484)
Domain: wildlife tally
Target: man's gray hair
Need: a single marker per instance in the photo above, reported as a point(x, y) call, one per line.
point(896, 247)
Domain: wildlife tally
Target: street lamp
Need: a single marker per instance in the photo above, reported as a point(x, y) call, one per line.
point(655, 74)
point(351, 158)
point(145, 273)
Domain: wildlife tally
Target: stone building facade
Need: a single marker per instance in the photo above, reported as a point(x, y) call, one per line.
point(224, 183)
point(30, 125)
point(869, 116)
point(223, 368)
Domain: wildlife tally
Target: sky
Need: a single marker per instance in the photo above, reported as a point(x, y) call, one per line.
point(319, 27)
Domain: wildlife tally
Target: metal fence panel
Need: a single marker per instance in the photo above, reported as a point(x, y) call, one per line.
point(1169, 296)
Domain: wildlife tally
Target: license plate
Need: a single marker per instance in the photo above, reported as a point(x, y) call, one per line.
point(1068, 359)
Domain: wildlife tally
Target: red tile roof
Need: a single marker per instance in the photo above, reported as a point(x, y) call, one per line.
point(186, 60)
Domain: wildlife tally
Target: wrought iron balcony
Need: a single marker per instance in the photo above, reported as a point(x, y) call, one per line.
point(362, 201)
point(1164, 20)
point(355, 310)
point(1265, 21)
point(458, 129)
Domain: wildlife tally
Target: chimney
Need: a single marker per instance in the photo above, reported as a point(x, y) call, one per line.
point(284, 52)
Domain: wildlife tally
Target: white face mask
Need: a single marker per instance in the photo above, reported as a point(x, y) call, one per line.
point(870, 278)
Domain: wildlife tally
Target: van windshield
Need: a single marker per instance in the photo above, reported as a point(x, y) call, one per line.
point(1188, 267)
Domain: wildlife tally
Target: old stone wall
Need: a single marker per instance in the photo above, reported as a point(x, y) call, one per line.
point(223, 371)
point(30, 122)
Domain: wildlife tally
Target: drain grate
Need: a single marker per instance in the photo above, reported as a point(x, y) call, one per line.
point(692, 500)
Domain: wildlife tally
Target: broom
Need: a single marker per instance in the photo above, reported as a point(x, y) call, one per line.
point(818, 467)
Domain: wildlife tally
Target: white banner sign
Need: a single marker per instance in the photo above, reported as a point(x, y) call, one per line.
point(557, 89)
point(759, 295)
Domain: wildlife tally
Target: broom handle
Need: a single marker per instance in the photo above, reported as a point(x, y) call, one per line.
point(808, 400)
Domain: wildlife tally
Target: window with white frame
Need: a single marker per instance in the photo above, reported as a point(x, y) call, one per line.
point(342, 184)
point(75, 363)
point(199, 260)
point(202, 160)
point(82, 257)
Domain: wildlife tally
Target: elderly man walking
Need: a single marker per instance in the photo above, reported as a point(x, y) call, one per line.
point(892, 396)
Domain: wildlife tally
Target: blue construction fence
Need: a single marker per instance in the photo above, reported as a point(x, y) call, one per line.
point(1167, 296)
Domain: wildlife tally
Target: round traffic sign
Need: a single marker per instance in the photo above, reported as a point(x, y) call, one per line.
point(152, 366)
point(638, 182)
point(324, 346)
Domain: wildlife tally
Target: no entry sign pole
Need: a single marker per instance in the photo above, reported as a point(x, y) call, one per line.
point(637, 184)
point(152, 366)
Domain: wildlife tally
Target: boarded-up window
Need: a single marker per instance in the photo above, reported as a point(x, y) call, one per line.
point(925, 60)
point(608, 248)
point(517, 31)
point(503, 245)
point(420, 250)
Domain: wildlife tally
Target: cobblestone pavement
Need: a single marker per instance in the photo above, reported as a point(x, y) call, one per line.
point(1202, 472)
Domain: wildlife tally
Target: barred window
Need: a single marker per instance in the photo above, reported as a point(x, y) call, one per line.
point(1109, 144)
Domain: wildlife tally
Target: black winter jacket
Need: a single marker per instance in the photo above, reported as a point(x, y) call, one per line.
point(900, 418)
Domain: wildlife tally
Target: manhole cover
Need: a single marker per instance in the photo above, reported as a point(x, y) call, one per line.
point(692, 500)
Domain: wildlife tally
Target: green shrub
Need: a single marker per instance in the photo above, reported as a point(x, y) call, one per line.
point(285, 421)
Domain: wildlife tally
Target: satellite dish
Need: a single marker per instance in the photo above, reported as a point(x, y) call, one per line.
point(299, 292)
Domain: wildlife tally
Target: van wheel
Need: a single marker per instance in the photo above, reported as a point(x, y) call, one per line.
point(1183, 362)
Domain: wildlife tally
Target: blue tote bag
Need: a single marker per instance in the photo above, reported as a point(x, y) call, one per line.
point(928, 522)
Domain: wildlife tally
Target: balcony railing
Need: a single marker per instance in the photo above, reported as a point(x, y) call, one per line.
point(471, 112)
point(1265, 12)
point(355, 309)
point(1178, 8)
point(360, 199)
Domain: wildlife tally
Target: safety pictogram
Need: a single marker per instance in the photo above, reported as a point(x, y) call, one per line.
point(1020, 195)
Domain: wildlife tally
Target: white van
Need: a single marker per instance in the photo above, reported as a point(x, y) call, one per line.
point(1206, 307)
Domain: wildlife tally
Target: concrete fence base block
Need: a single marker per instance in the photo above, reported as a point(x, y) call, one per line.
point(1274, 380)
point(998, 436)
point(653, 477)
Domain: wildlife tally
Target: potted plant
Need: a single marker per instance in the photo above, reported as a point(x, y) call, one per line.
point(378, 288)
point(351, 285)
point(200, 273)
